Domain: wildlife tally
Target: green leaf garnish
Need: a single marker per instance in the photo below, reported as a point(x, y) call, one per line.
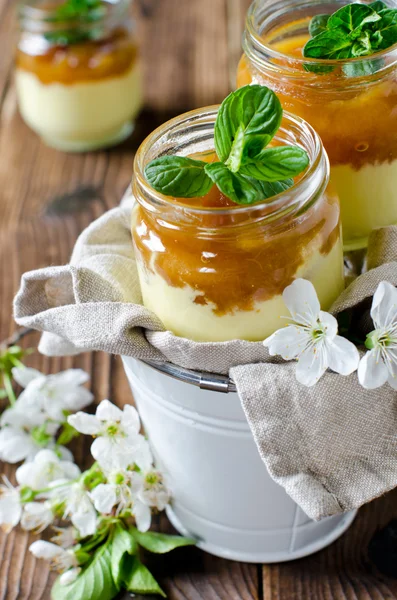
point(178, 176)
point(76, 15)
point(354, 31)
point(275, 164)
point(318, 24)
point(246, 173)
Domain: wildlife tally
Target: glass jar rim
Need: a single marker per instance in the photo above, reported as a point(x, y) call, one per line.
point(259, 51)
point(279, 203)
point(34, 17)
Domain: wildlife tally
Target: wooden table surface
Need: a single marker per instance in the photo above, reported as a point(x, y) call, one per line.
point(190, 49)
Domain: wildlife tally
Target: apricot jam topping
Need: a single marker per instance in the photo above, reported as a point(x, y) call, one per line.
point(229, 263)
point(357, 125)
point(86, 61)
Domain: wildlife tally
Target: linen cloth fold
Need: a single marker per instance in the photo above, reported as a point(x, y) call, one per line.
point(333, 447)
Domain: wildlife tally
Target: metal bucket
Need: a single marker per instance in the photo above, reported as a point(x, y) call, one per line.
point(222, 492)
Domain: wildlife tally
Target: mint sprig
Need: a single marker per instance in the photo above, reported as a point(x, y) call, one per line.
point(77, 16)
point(353, 31)
point(247, 172)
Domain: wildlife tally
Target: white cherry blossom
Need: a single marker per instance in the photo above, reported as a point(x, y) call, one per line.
point(77, 506)
point(64, 536)
point(10, 506)
point(52, 395)
point(379, 365)
point(154, 492)
point(16, 445)
point(60, 560)
point(44, 469)
point(120, 491)
point(117, 434)
point(311, 338)
point(36, 516)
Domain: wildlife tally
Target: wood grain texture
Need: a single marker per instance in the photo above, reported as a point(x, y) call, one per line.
point(189, 51)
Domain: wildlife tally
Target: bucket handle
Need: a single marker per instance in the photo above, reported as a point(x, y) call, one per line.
point(203, 380)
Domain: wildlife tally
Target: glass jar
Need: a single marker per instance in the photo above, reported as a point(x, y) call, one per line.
point(78, 81)
point(218, 273)
point(351, 104)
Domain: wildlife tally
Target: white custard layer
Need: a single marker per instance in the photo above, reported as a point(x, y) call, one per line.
point(82, 113)
point(178, 312)
point(368, 199)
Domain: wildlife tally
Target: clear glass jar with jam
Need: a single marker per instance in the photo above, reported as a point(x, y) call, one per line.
point(213, 270)
point(353, 108)
point(77, 78)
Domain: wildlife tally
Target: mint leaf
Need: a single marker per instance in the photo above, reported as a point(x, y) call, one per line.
point(95, 582)
point(253, 109)
point(160, 543)
point(362, 68)
point(242, 189)
point(138, 579)
point(318, 24)
point(123, 543)
point(330, 44)
point(351, 17)
point(387, 29)
point(178, 176)
point(237, 151)
point(275, 164)
point(378, 6)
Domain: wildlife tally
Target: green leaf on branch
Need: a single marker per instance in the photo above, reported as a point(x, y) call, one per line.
point(160, 543)
point(123, 544)
point(95, 582)
point(275, 164)
point(256, 111)
point(178, 176)
point(138, 579)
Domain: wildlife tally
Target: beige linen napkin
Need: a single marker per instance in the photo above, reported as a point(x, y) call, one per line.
point(333, 447)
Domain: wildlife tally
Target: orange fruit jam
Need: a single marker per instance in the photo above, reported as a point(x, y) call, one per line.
point(358, 125)
point(232, 259)
point(85, 61)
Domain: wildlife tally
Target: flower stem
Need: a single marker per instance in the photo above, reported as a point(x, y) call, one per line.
point(9, 389)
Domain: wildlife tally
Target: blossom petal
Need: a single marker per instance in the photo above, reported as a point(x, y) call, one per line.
point(372, 371)
point(102, 450)
point(46, 550)
point(143, 515)
point(36, 516)
point(70, 469)
point(107, 411)
point(85, 522)
point(329, 323)
point(343, 356)
point(16, 445)
point(130, 419)
point(312, 364)
point(301, 300)
point(288, 342)
point(10, 509)
point(24, 375)
point(69, 378)
point(141, 454)
point(104, 498)
point(87, 424)
point(384, 305)
point(70, 576)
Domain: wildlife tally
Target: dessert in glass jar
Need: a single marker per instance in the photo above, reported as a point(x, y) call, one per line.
point(77, 72)
point(213, 265)
point(351, 101)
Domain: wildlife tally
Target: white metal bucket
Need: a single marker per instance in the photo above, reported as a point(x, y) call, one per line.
point(222, 492)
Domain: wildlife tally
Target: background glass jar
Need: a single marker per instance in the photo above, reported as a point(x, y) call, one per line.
point(78, 81)
point(215, 273)
point(351, 104)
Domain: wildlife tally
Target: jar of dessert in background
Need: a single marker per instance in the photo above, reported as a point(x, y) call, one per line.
point(77, 74)
point(213, 270)
point(351, 103)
